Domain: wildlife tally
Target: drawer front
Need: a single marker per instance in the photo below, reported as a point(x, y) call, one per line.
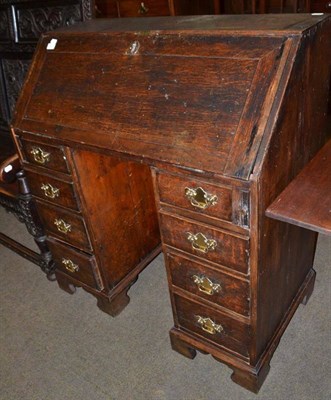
point(202, 241)
point(196, 196)
point(212, 325)
point(53, 190)
point(45, 156)
point(74, 263)
point(64, 225)
point(209, 283)
point(149, 8)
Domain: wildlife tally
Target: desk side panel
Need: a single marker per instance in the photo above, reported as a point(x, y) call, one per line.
point(286, 252)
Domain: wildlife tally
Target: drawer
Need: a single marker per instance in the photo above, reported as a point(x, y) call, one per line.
point(209, 283)
point(53, 190)
point(149, 8)
point(205, 242)
point(196, 196)
point(45, 156)
point(74, 263)
point(213, 325)
point(64, 225)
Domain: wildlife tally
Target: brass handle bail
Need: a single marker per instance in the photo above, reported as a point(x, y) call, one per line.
point(208, 325)
point(40, 156)
point(69, 265)
point(205, 285)
point(200, 198)
point(143, 9)
point(62, 226)
point(50, 191)
point(201, 243)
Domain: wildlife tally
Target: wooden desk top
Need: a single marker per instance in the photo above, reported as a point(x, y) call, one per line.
point(200, 93)
point(306, 202)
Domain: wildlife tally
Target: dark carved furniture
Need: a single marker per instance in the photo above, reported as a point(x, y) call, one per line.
point(215, 106)
point(21, 24)
point(16, 198)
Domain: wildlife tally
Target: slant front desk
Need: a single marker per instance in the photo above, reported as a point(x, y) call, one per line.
point(210, 116)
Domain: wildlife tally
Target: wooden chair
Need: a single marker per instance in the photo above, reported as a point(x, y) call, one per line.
point(16, 198)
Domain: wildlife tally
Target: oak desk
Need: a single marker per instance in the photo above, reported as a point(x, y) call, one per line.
point(225, 112)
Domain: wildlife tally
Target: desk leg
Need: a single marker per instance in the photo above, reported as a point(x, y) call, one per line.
point(181, 347)
point(65, 284)
point(114, 306)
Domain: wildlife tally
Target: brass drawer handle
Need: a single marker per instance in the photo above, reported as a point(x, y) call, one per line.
point(208, 325)
point(200, 198)
point(143, 9)
point(62, 226)
point(69, 265)
point(40, 156)
point(201, 243)
point(205, 285)
point(50, 191)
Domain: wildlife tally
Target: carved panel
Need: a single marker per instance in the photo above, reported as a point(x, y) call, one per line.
point(88, 9)
point(4, 26)
point(14, 72)
point(31, 22)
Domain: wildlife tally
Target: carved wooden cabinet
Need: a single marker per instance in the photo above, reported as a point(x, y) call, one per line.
point(226, 111)
point(21, 24)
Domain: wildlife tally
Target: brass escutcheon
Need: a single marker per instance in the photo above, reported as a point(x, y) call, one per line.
point(62, 226)
point(50, 191)
point(200, 198)
point(40, 156)
point(201, 243)
point(205, 285)
point(208, 325)
point(143, 9)
point(69, 265)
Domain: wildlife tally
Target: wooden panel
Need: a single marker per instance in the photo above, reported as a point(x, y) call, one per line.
point(306, 201)
point(168, 110)
point(231, 251)
point(77, 236)
point(119, 206)
point(172, 191)
point(233, 293)
point(84, 263)
point(63, 192)
point(234, 335)
point(56, 159)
